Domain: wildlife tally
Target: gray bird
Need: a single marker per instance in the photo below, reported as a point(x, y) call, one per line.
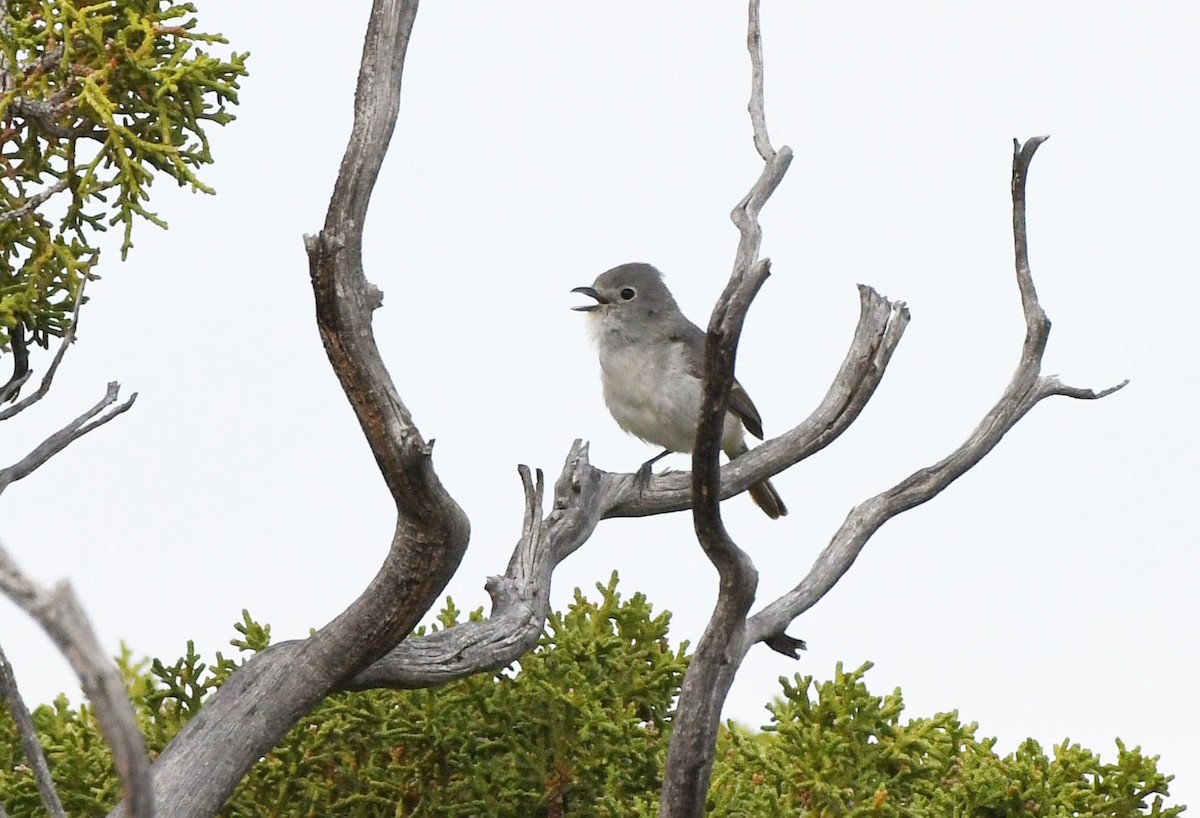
point(651, 364)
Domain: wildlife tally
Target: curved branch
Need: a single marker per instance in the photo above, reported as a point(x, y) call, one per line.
point(881, 325)
point(59, 613)
point(585, 495)
point(1024, 391)
point(250, 713)
point(715, 662)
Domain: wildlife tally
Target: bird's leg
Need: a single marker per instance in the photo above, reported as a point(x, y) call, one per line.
point(642, 478)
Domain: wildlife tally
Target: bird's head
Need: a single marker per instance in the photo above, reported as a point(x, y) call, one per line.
point(629, 295)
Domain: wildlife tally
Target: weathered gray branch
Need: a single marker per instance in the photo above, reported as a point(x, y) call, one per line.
point(366, 647)
point(59, 613)
point(91, 419)
point(710, 674)
point(1024, 391)
point(249, 714)
point(23, 720)
point(715, 662)
point(585, 495)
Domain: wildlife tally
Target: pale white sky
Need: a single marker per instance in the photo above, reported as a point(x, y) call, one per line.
point(1049, 593)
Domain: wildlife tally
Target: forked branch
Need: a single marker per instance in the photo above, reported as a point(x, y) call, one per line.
point(1024, 390)
point(366, 646)
point(92, 419)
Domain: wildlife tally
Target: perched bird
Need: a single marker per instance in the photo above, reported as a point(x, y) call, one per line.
point(651, 365)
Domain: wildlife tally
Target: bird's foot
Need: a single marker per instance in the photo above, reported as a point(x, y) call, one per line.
point(641, 478)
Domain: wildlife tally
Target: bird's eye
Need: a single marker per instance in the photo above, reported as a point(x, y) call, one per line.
point(628, 294)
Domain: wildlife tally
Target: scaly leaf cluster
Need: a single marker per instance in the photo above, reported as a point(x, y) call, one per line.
point(580, 728)
point(834, 749)
point(96, 99)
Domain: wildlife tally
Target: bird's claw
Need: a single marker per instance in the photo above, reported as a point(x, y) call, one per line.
point(641, 478)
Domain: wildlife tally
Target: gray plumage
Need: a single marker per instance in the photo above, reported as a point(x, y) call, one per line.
point(651, 364)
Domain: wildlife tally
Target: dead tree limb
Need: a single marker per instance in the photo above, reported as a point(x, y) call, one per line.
point(23, 720)
point(93, 418)
point(585, 495)
point(711, 672)
point(365, 647)
point(59, 613)
point(1024, 390)
point(250, 713)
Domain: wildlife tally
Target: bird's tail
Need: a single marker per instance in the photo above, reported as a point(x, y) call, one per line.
point(763, 494)
point(768, 499)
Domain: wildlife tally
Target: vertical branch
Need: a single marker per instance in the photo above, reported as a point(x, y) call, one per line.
point(720, 650)
point(29, 741)
point(758, 116)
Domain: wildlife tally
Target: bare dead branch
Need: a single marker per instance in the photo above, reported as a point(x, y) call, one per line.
point(520, 598)
point(718, 654)
point(200, 769)
point(47, 379)
point(584, 495)
point(1024, 391)
point(1050, 385)
point(881, 325)
point(34, 201)
point(710, 674)
point(202, 765)
point(365, 646)
point(23, 720)
point(758, 117)
point(59, 613)
point(89, 420)
point(720, 352)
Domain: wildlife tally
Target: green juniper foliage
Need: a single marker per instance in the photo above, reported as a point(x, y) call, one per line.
point(834, 749)
point(580, 729)
point(96, 99)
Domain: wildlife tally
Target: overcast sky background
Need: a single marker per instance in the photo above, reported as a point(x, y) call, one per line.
point(1048, 593)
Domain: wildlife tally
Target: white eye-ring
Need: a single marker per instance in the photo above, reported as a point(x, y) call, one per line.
point(628, 294)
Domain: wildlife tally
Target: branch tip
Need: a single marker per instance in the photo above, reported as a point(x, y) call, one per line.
point(789, 646)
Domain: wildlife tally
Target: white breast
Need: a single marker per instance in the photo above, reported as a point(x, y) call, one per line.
point(651, 395)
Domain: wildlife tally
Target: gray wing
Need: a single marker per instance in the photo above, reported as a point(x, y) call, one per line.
point(692, 338)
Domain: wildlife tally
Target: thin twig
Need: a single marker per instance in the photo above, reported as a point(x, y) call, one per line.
point(67, 435)
point(1051, 385)
point(23, 720)
point(67, 339)
point(34, 201)
point(59, 613)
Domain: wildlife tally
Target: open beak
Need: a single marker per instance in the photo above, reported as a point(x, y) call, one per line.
point(589, 291)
